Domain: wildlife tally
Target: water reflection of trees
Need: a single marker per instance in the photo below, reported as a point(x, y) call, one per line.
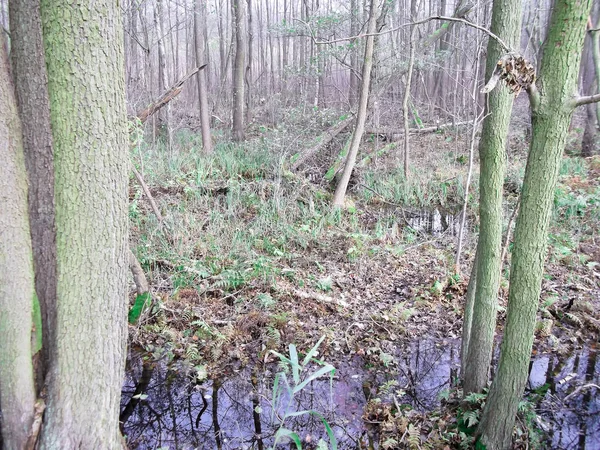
point(223, 414)
point(574, 424)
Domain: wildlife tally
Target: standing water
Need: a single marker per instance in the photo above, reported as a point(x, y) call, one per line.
point(163, 408)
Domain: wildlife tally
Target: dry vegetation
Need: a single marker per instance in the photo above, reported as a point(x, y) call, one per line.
point(251, 257)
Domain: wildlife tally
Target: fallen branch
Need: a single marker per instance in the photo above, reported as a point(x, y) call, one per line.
point(167, 96)
point(319, 297)
point(324, 140)
point(432, 129)
point(148, 195)
point(579, 389)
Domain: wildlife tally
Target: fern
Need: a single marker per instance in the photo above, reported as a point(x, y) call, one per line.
point(187, 315)
point(573, 318)
point(475, 397)
point(389, 443)
point(470, 418)
point(414, 436)
point(192, 354)
point(273, 337)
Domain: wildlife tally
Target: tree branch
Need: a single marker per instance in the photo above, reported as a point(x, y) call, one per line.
point(419, 22)
point(587, 100)
point(167, 96)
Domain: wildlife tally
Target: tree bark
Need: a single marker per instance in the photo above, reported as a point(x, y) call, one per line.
point(239, 15)
point(17, 290)
point(248, 72)
point(506, 23)
point(340, 191)
point(411, 62)
point(202, 89)
point(31, 82)
point(162, 68)
point(552, 108)
point(89, 127)
point(591, 136)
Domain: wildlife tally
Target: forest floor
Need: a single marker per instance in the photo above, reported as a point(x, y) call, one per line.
point(251, 257)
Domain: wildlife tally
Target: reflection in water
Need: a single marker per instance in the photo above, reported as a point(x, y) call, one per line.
point(435, 222)
point(174, 414)
point(574, 423)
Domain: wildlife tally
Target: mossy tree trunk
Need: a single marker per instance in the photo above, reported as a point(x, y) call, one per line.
point(506, 23)
point(17, 291)
point(84, 55)
point(31, 82)
point(552, 108)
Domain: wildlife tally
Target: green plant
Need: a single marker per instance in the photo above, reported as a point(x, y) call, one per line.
point(301, 377)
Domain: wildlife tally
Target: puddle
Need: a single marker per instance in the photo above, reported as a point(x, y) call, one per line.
point(572, 419)
point(175, 413)
point(435, 222)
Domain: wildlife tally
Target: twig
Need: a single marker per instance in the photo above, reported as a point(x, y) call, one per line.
point(404, 25)
point(579, 389)
point(148, 195)
point(383, 199)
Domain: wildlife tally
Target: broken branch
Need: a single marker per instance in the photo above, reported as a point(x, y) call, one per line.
point(167, 96)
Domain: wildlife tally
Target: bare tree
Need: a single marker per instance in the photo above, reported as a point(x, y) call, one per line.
point(340, 191)
point(238, 10)
point(202, 90)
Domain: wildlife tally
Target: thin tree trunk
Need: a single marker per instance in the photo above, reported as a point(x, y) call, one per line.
point(552, 108)
point(17, 289)
point(222, 40)
point(239, 16)
point(340, 191)
point(353, 89)
point(591, 136)
point(249, 61)
point(31, 82)
point(506, 23)
point(411, 63)
point(162, 69)
point(89, 127)
point(202, 90)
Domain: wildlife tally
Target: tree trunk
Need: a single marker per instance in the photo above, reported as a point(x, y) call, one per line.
point(162, 68)
point(353, 89)
point(202, 90)
point(239, 17)
point(340, 191)
point(17, 290)
point(248, 72)
point(552, 109)
point(591, 68)
point(468, 317)
point(506, 23)
point(89, 127)
point(411, 62)
point(31, 82)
